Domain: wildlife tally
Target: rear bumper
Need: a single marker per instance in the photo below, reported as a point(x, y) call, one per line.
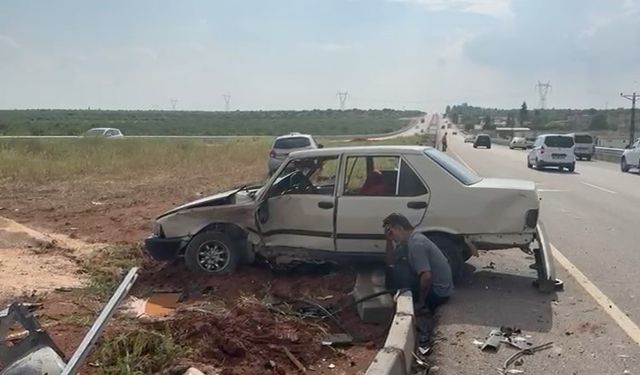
point(165, 249)
point(544, 163)
point(583, 153)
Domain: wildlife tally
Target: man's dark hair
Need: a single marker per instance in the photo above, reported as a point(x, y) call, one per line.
point(397, 220)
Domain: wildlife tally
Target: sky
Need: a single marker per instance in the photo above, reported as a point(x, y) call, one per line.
point(298, 54)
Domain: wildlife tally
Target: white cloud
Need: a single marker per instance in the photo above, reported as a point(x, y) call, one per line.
point(495, 8)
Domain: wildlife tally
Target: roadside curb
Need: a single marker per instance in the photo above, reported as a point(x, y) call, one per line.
point(397, 355)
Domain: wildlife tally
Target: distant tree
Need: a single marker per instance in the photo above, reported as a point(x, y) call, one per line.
point(523, 115)
point(592, 111)
point(599, 122)
point(488, 123)
point(538, 119)
point(447, 110)
point(468, 127)
point(455, 118)
point(511, 121)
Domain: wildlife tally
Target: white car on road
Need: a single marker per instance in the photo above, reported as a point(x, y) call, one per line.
point(631, 157)
point(286, 144)
point(103, 133)
point(552, 150)
point(518, 142)
point(327, 205)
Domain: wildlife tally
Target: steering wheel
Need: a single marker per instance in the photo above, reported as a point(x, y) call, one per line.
point(298, 183)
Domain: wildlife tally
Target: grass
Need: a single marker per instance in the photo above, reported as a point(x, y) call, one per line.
point(320, 122)
point(39, 161)
point(138, 351)
point(107, 268)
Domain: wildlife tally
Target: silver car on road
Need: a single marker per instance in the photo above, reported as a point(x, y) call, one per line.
point(286, 144)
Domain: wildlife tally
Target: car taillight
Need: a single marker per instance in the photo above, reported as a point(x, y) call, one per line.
point(542, 149)
point(272, 154)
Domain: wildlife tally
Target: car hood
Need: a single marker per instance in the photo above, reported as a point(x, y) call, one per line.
point(505, 183)
point(219, 199)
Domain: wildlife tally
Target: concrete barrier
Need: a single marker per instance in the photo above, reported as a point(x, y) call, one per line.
point(375, 310)
point(397, 355)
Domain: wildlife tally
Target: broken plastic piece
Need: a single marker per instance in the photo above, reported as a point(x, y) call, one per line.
point(337, 339)
point(493, 341)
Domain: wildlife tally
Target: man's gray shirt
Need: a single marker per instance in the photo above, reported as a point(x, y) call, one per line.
point(425, 256)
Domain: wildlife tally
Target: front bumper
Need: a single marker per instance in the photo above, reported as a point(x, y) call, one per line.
point(165, 249)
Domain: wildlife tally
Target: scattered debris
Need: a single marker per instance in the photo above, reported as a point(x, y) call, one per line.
point(419, 361)
point(477, 343)
point(324, 298)
point(97, 203)
point(490, 266)
point(622, 356)
point(193, 371)
point(294, 360)
point(514, 371)
point(528, 351)
point(337, 339)
point(63, 289)
point(493, 341)
point(424, 351)
point(331, 365)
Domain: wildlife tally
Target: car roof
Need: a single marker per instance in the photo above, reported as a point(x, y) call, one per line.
point(554, 135)
point(292, 135)
point(483, 135)
point(98, 129)
point(360, 150)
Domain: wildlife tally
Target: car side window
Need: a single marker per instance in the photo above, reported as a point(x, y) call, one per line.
point(409, 184)
point(110, 133)
point(371, 175)
point(315, 175)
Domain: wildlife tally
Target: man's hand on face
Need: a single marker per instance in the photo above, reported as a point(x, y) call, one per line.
point(388, 234)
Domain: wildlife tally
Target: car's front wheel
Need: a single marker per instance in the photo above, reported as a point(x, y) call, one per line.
point(212, 252)
point(623, 165)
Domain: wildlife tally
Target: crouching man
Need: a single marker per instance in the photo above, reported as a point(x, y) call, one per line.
point(416, 263)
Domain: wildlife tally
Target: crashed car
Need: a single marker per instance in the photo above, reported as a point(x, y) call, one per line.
point(327, 205)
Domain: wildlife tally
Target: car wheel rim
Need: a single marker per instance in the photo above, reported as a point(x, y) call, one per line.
point(213, 256)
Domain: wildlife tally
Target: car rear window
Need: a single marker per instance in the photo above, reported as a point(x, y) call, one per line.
point(558, 141)
point(583, 138)
point(452, 166)
point(483, 137)
point(292, 142)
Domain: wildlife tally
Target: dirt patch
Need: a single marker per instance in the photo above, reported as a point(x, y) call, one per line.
point(33, 262)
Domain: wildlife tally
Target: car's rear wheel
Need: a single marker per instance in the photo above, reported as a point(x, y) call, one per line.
point(589, 158)
point(529, 164)
point(623, 165)
point(572, 167)
point(454, 251)
point(213, 253)
point(538, 164)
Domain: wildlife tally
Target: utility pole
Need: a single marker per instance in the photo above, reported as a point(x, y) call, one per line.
point(342, 96)
point(632, 128)
point(543, 90)
point(227, 100)
point(174, 102)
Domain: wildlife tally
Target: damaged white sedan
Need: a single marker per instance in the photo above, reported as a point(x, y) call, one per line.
point(327, 205)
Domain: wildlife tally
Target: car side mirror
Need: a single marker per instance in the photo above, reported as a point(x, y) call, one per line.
point(320, 145)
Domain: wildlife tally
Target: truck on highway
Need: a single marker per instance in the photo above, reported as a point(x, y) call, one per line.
point(584, 145)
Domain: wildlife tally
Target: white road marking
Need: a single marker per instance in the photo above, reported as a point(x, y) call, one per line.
point(600, 188)
point(627, 325)
point(553, 190)
point(618, 316)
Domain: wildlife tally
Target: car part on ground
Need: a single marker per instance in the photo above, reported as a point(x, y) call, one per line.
point(38, 354)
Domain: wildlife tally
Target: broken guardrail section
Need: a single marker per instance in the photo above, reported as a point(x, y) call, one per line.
point(396, 357)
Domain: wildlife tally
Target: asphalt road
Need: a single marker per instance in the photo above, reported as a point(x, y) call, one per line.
point(592, 215)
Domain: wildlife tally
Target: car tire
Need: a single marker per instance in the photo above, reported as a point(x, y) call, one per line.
point(624, 167)
point(454, 251)
point(529, 164)
point(588, 158)
point(538, 164)
point(474, 146)
point(572, 168)
point(212, 253)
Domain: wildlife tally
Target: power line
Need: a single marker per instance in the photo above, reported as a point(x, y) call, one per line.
point(543, 90)
point(342, 96)
point(227, 100)
point(632, 128)
point(174, 103)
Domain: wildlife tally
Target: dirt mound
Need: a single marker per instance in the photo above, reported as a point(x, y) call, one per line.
point(246, 339)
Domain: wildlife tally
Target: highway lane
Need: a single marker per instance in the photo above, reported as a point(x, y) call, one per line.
point(592, 215)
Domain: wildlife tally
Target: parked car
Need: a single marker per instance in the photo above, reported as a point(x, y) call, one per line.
point(286, 144)
point(327, 205)
point(518, 142)
point(482, 140)
point(469, 138)
point(103, 132)
point(530, 141)
point(454, 132)
point(631, 157)
point(552, 150)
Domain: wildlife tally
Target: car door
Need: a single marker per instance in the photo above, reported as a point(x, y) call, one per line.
point(372, 187)
point(533, 154)
point(298, 209)
point(635, 153)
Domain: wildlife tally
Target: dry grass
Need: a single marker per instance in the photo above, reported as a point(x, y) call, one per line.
point(42, 161)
